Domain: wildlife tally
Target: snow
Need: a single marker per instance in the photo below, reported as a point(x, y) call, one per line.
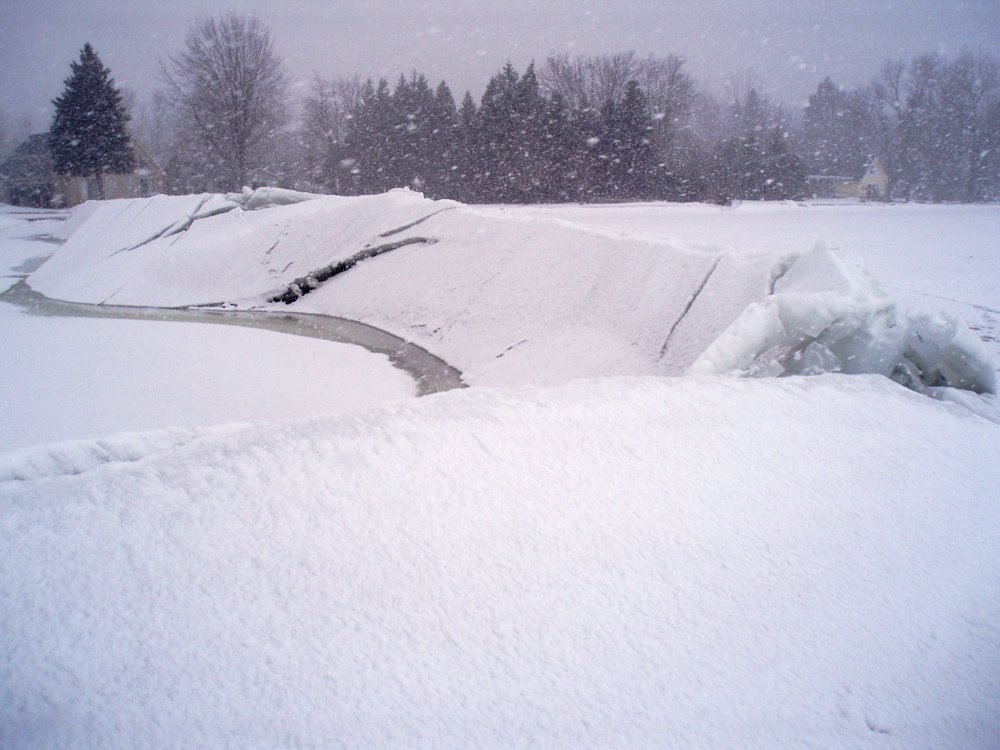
point(23, 248)
point(160, 374)
point(926, 257)
point(623, 562)
point(522, 295)
point(246, 539)
point(70, 379)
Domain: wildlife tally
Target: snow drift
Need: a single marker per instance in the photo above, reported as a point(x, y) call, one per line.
point(511, 299)
point(694, 562)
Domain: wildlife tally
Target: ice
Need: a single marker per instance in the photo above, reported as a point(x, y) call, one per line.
point(72, 378)
point(514, 296)
point(268, 197)
point(826, 315)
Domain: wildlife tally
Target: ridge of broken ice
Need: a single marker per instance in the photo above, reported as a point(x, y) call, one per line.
point(511, 299)
point(826, 315)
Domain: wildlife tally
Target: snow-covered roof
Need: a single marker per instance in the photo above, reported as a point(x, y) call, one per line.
point(30, 161)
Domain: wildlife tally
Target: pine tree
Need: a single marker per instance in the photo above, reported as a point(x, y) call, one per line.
point(464, 183)
point(497, 127)
point(88, 135)
point(561, 146)
point(632, 164)
point(445, 144)
point(834, 133)
point(528, 154)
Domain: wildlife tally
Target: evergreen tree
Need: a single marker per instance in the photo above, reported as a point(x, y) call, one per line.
point(590, 157)
point(445, 144)
point(528, 142)
point(413, 110)
point(464, 184)
point(834, 131)
point(370, 141)
point(88, 135)
point(631, 162)
point(496, 134)
point(561, 144)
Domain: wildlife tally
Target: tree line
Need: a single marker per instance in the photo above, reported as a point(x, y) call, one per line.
point(620, 127)
point(581, 128)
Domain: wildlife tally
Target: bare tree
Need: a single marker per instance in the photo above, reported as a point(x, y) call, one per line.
point(588, 81)
point(566, 77)
point(229, 84)
point(327, 110)
point(935, 123)
point(670, 92)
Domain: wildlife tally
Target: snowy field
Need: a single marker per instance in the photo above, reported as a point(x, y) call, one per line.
point(630, 560)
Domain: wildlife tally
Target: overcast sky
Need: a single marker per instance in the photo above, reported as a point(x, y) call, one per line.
point(790, 44)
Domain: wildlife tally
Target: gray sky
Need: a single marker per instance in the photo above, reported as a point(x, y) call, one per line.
point(790, 44)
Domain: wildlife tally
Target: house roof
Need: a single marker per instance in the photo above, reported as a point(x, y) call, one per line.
point(30, 161)
point(874, 169)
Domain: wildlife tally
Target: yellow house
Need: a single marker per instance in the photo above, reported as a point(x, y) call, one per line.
point(146, 180)
point(28, 179)
point(873, 185)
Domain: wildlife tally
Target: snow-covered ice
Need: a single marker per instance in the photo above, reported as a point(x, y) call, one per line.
point(521, 296)
point(71, 378)
point(927, 257)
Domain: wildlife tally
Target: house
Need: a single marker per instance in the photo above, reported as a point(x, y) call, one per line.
point(873, 185)
point(28, 179)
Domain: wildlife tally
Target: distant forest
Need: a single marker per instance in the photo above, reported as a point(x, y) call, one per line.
point(584, 128)
point(621, 127)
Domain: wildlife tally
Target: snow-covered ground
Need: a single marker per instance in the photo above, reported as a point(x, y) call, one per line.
point(700, 561)
point(803, 562)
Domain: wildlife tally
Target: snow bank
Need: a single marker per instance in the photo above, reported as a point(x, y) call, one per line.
point(827, 316)
point(70, 457)
point(631, 563)
point(510, 297)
